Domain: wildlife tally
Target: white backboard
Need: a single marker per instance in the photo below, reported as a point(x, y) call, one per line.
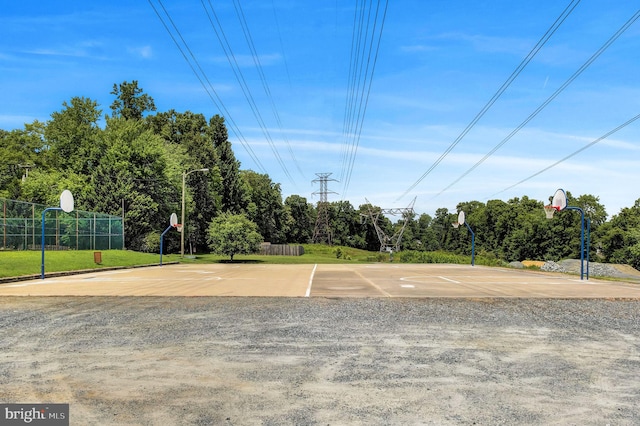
point(66, 201)
point(559, 199)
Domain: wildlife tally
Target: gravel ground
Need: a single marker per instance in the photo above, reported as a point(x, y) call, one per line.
point(275, 361)
point(596, 269)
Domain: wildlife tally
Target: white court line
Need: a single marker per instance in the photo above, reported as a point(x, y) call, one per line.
point(27, 284)
point(308, 293)
point(413, 279)
point(450, 280)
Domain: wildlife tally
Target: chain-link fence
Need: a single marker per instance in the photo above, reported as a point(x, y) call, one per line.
point(79, 230)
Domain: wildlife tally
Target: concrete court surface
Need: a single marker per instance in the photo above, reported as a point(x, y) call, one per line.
point(325, 280)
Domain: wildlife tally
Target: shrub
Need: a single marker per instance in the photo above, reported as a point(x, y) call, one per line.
point(231, 234)
point(151, 243)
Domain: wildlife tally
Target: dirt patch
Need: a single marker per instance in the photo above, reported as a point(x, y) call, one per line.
point(529, 263)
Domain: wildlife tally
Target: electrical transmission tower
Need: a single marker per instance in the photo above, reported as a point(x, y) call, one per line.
point(388, 243)
point(322, 230)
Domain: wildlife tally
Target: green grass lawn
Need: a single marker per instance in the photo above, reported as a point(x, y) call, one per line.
point(19, 263)
point(22, 263)
point(313, 253)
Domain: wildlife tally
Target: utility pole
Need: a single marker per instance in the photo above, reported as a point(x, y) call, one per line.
point(182, 218)
point(322, 230)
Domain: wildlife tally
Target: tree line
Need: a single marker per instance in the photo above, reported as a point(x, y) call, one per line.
point(138, 157)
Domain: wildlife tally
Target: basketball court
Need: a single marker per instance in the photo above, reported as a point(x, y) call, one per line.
point(325, 280)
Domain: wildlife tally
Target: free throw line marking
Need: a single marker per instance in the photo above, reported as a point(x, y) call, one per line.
point(450, 280)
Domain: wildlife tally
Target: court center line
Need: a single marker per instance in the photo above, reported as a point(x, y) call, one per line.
point(450, 280)
point(308, 293)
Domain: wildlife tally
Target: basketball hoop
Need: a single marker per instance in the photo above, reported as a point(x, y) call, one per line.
point(455, 224)
point(550, 210)
point(178, 227)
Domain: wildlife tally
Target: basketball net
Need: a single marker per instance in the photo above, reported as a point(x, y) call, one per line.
point(178, 227)
point(550, 210)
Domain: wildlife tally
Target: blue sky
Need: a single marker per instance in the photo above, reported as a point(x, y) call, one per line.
point(437, 66)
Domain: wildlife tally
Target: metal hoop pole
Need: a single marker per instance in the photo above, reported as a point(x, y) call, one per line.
point(42, 238)
point(473, 244)
point(161, 242)
point(588, 244)
point(581, 238)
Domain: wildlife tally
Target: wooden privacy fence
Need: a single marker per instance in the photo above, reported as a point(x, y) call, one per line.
point(281, 250)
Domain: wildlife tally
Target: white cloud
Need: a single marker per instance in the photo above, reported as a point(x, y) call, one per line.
point(15, 121)
point(144, 52)
point(620, 144)
point(417, 48)
point(491, 44)
point(85, 49)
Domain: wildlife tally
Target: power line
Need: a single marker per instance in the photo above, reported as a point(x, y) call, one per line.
point(365, 104)
point(534, 51)
point(263, 78)
point(575, 75)
point(284, 57)
point(224, 43)
point(218, 104)
point(356, 34)
point(360, 83)
point(606, 135)
point(355, 78)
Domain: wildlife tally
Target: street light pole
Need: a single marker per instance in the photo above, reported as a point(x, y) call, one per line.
point(184, 175)
point(184, 178)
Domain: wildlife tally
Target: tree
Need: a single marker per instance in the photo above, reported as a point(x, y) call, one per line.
point(343, 221)
point(188, 139)
point(620, 237)
point(593, 210)
point(231, 234)
point(21, 151)
point(529, 233)
point(73, 136)
point(300, 218)
point(135, 169)
point(45, 187)
point(368, 235)
point(265, 207)
point(424, 236)
point(234, 198)
point(131, 103)
point(493, 224)
point(366, 213)
point(441, 226)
